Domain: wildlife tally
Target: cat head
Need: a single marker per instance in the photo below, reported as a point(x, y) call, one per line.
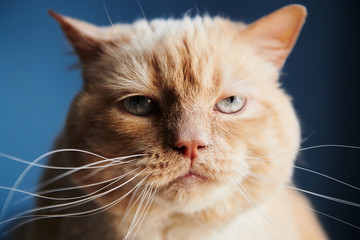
point(197, 98)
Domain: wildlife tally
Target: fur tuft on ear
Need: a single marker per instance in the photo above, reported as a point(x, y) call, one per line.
point(275, 34)
point(84, 37)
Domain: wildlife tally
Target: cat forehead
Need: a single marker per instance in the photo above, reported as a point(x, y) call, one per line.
point(186, 54)
point(179, 56)
point(160, 28)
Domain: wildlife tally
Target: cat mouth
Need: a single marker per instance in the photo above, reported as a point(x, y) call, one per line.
point(190, 177)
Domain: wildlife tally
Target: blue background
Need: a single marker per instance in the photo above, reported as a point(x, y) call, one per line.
point(322, 75)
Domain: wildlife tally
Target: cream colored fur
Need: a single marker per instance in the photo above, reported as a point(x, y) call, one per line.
point(186, 67)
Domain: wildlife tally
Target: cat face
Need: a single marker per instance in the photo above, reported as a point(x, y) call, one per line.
point(198, 99)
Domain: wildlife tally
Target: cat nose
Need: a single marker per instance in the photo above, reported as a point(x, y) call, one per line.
point(190, 148)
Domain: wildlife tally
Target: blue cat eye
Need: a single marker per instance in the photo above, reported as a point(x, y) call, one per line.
point(231, 104)
point(138, 105)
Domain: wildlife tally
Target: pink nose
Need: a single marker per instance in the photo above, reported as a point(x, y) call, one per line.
point(190, 148)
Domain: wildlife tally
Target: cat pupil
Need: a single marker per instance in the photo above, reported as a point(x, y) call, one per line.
point(232, 99)
point(138, 101)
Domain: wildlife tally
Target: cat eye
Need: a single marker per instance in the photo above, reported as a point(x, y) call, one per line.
point(138, 105)
point(231, 104)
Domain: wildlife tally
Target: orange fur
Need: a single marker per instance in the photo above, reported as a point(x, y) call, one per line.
point(186, 66)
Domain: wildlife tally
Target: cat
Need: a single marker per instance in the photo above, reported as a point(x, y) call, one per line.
point(181, 131)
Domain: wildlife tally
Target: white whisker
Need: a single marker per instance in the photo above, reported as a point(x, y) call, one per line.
point(8, 156)
point(119, 37)
point(76, 214)
point(28, 168)
point(306, 170)
point(84, 167)
point(272, 222)
point(151, 199)
point(141, 8)
point(48, 182)
point(330, 145)
point(223, 202)
point(298, 189)
point(244, 195)
point(82, 201)
point(113, 180)
point(130, 205)
point(305, 191)
point(137, 220)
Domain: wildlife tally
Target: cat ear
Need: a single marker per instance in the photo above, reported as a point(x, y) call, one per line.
point(85, 38)
point(276, 33)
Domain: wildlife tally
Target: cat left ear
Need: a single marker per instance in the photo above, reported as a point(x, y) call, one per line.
point(85, 38)
point(275, 34)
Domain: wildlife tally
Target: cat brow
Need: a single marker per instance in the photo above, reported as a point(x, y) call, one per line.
point(138, 82)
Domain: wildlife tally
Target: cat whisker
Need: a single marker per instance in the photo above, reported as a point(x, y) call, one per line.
point(90, 194)
point(119, 37)
point(8, 156)
point(109, 18)
point(260, 227)
point(247, 213)
point(103, 168)
point(146, 211)
point(135, 218)
point(84, 167)
point(73, 170)
point(316, 173)
point(25, 192)
point(42, 194)
point(141, 71)
point(326, 176)
point(307, 137)
point(275, 224)
point(326, 197)
point(308, 148)
point(254, 207)
point(113, 180)
point(34, 163)
point(19, 180)
point(141, 9)
point(48, 182)
point(73, 203)
point(118, 57)
point(110, 205)
point(223, 202)
point(138, 218)
point(83, 201)
point(330, 145)
point(305, 191)
point(272, 221)
point(309, 170)
point(131, 204)
point(76, 214)
point(187, 13)
point(332, 217)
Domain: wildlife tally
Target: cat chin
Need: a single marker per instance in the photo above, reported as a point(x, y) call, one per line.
point(190, 196)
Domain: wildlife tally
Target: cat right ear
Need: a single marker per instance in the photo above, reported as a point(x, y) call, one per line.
point(85, 38)
point(275, 34)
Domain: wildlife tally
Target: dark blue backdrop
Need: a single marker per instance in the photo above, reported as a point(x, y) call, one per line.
point(322, 74)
